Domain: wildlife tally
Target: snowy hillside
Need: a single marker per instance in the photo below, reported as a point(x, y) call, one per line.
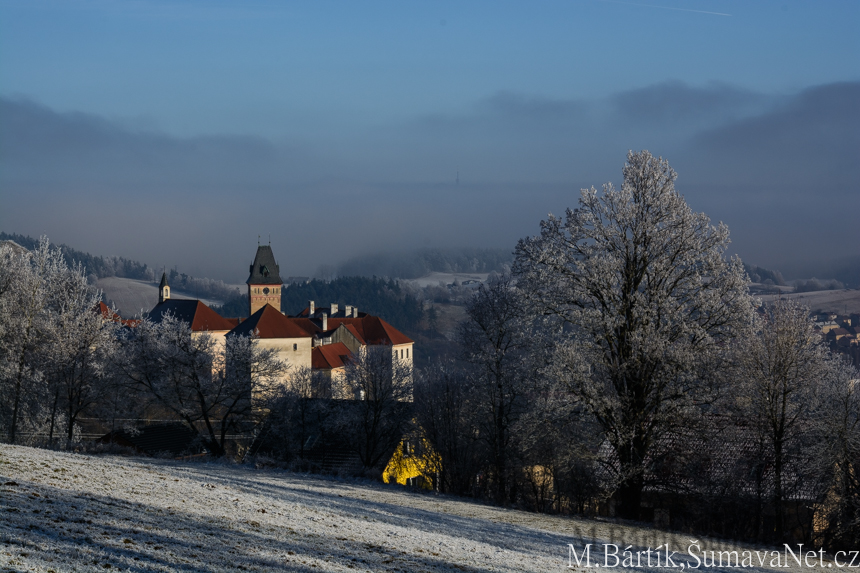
point(67, 512)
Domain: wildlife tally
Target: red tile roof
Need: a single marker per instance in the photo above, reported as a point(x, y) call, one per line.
point(198, 315)
point(329, 356)
point(108, 314)
point(269, 323)
point(351, 328)
point(373, 330)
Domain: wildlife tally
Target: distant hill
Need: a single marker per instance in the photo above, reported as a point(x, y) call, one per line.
point(97, 266)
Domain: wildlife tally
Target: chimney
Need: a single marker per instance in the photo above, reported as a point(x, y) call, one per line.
point(324, 321)
point(355, 312)
point(310, 308)
point(333, 308)
point(347, 310)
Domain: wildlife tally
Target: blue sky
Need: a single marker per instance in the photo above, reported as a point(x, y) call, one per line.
point(339, 127)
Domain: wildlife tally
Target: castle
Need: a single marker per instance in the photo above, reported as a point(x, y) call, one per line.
point(320, 338)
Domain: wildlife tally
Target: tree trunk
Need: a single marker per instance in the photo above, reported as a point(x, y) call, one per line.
point(631, 455)
point(779, 518)
point(53, 417)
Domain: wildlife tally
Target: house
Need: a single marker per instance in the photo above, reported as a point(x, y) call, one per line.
point(200, 317)
point(291, 343)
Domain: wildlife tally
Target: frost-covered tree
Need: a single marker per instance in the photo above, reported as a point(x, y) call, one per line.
point(783, 368)
point(838, 425)
point(77, 349)
point(642, 283)
point(27, 280)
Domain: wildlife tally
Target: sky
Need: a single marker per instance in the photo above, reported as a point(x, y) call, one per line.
point(177, 133)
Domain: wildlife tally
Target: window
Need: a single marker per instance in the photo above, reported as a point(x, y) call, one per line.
point(407, 353)
point(295, 346)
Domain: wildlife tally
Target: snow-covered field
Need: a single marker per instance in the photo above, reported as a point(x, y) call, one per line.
point(434, 279)
point(841, 301)
point(69, 512)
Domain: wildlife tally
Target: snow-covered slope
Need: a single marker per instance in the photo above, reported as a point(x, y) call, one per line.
point(67, 512)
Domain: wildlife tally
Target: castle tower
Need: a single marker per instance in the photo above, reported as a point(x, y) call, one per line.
point(264, 282)
point(163, 289)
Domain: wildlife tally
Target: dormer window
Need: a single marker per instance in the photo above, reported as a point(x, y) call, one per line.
point(264, 270)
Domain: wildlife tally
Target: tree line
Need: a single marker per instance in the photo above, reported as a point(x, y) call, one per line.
point(96, 266)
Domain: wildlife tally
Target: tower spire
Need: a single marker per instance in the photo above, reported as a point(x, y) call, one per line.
point(163, 288)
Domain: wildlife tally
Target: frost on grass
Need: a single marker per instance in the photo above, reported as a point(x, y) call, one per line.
point(66, 512)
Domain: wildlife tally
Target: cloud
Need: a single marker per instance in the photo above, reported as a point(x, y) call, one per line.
point(779, 169)
point(42, 146)
point(810, 142)
point(678, 104)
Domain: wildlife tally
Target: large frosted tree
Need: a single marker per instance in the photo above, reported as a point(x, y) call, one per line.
point(643, 285)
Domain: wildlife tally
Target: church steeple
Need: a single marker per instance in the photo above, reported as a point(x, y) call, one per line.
point(264, 282)
point(163, 289)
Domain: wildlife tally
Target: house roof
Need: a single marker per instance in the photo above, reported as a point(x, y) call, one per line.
point(330, 356)
point(351, 328)
point(264, 271)
point(367, 329)
point(198, 315)
point(102, 309)
point(163, 282)
point(373, 330)
point(269, 323)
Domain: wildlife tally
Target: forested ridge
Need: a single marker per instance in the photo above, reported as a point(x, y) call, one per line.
point(386, 298)
point(98, 266)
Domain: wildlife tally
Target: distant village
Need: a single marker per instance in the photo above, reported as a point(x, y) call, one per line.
point(841, 332)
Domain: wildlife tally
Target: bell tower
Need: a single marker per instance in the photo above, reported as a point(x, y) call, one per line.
point(264, 281)
point(163, 289)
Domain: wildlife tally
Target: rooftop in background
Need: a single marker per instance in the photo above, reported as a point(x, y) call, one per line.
point(330, 356)
point(198, 315)
point(265, 270)
point(269, 323)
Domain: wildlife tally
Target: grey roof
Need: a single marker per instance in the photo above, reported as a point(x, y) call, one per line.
point(264, 271)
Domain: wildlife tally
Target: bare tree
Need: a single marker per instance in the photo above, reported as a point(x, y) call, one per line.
point(499, 342)
point(187, 374)
point(642, 284)
point(383, 385)
point(445, 409)
point(296, 412)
